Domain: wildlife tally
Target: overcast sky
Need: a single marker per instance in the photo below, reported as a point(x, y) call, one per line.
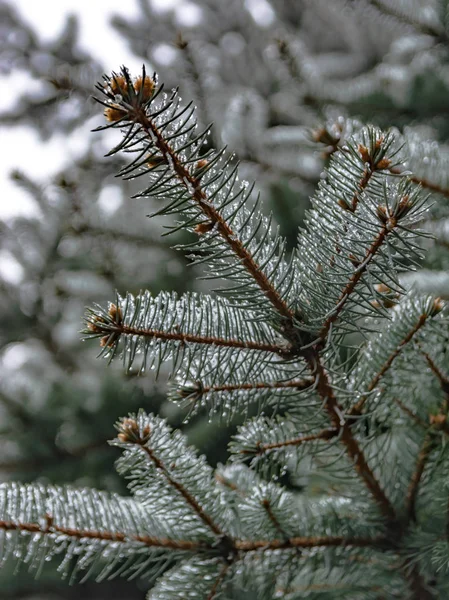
point(99, 39)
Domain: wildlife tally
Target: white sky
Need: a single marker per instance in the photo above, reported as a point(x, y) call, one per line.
point(96, 36)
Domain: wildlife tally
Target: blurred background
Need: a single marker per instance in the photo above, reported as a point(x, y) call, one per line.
point(282, 80)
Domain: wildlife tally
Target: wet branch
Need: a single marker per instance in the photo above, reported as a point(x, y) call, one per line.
point(413, 488)
point(356, 410)
point(354, 280)
point(343, 427)
point(191, 500)
point(222, 227)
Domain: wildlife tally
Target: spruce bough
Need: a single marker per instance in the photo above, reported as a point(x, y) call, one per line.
point(345, 367)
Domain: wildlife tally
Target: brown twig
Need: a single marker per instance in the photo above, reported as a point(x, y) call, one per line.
point(297, 384)
point(347, 438)
point(213, 216)
point(395, 170)
point(191, 500)
point(219, 581)
point(239, 545)
point(356, 410)
point(439, 35)
point(413, 488)
point(101, 535)
point(309, 542)
point(411, 414)
point(325, 434)
point(121, 329)
point(353, 281)
point(433, 187)
point(265, 503)
point(442, 379)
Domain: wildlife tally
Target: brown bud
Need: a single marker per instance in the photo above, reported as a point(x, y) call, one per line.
point(354, 260)
point(147, 87)
point(201, 163)
point(344, 205)
point(155, 161)
point(382, 213)
point(403, 207)
point(364, 153)
point(384, 163)
point(104, 341)
point(118, 84)
point(130, 433)
point(391, 223)
point(389, 302)
point(115, 313)
point(203, 228)
point(114, 113)
point(379, 142)
point(437, 307)
point(438, 420)
point(93, 327)
point(324, 136)
point(319, 268)
point(382, 288)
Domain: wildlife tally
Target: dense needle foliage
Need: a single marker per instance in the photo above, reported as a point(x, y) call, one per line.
point(336, 367)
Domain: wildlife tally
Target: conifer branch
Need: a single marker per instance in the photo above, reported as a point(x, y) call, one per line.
point(117, 537)
point(356, 410)
point(193, 186)
point(347, 438)
point(296, 384)
point(333, 144)
point(374, 161)
point(325, 434)
point(413, 488)
point(191, 501)
point(266, 505)
point(218, 582)
point(439, 34)
point(353, 281)
point(112, 333)
point(424, 183)
point(411, 414)
point(442, 379)
point(309, 542)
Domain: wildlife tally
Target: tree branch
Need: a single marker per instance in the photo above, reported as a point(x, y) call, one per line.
point(325, 434)
point(111, 333)
point(411, 414)
point(297, 384)
point(191, 501)
point(309, 542)
point(216, 587)
point(199, 196)
point(51, 528)
point(347, 438)
point(439, 35)
point(356, 410)
point(412, 492)
point(353, 281)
